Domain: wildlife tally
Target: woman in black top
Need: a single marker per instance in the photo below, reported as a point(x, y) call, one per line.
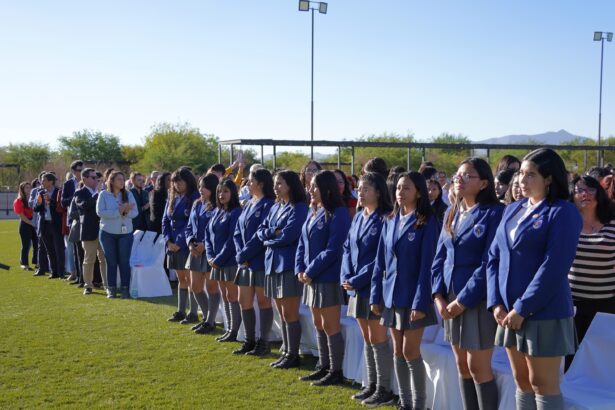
point(157, 200)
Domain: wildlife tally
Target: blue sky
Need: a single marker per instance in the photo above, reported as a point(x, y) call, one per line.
point(240, 69)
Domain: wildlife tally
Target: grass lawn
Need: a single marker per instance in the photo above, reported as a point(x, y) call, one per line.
point(59, 348)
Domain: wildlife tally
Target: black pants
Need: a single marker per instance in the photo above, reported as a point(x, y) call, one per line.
point(78, 258)
point(41, 257)
point(54, 243)
point(27, 233)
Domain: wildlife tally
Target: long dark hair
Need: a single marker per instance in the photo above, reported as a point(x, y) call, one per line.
point(263, 177)
point(485, 196)
point(109, 183)
point(182, 174)
point(210, 182)
point(330, 197)
point(423, 207)
point(505, 162)
point(296, 191)
point(379, 184)
point(22, 193)
point(347, 194)
point(160, 182)
point(509, 197)
point(234, 201)
point(550, 164)
point(604, 208)
point(377, 165)
point(302, 175)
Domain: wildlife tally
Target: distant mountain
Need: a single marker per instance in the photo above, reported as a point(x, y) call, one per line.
point(548, 138)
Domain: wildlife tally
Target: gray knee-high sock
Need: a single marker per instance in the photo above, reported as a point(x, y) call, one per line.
point(469, 397)
point(214, 305)
point(487, 395)
point(370, 363)
point(249, 324)
point(525, 401)
point(384, 361)
point(294, 336)
point(236, 316)
point(552, 402)
point(336, 351)
point(266, 321)
point(182, 298)
point(418, 381)
point(402, 373)
point(323, 349)
point(201, 300)
point(194, 307)
point(227, 314)
point(284, 347)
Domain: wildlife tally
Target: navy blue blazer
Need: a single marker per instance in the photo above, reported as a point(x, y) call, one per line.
point(461, 260)
point(68, 191)
point(89, 219)
point(249, 247)
point(281, 249)
point(360, 251)
point(402, 272)
point(530, 275)
point(219, 244)
point(174, 226)
point(196, 230)
point(320, 247)
point(56, 217)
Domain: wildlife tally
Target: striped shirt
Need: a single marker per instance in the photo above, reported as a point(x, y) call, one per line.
point(592, 275)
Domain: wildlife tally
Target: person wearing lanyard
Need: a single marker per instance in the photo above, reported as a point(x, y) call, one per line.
point(50, 225)
point(527, 280)
point(459, 284)
point(400, 284)
point(356, 277)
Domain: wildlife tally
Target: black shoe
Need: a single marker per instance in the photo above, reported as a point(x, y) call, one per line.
point(177, 317)
point(26, 267)
point(225, 334)
point(198, 325)
point(290, 361)
point(52, 276)
point(280, 359)
point(87, 291)
point(333, 377)
point(81, 285)
point(317, 374)
point(74, 282)
point(261, 348)
point(189, 319)
point(402, 407)
point(110, 292)
point(206, 328)
point(125, 292)
point(229, 337)
point(365, 393)
point(381, 397)
point(246, 347)
point(38, 273)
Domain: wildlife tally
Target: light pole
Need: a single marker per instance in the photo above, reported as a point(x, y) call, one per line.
point(601, 36)
point(306, 5)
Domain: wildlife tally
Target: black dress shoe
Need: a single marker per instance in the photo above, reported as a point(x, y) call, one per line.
point(290, 361)
point(318, 374)
point(333, 377)
point(229, 337)
point(52, 276)
point(125, 293)
point(38, 273)
point(246, 347)
point(206, 328)
point(177, 317)
point(87, 291)
point(110, 292)
point(280, 359)
point(81, 285)
point(261, 348)
point(189, 319)
point(381, 397)
point(198, 325)
point(365, 393)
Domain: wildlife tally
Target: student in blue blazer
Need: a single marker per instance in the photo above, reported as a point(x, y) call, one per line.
point(356, 276)
point(401, 291)
point(200, 271)
point(280, 232)
point(317, 265)
point(220, 251)
point(527, 280)
point(459, 281)
point(174, 221)
point(251, 260)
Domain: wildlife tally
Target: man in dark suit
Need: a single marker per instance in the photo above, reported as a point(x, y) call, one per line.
point(50, 225)
point(41, 257)
point(142, 200)
point(85, 199)
point(70, 185)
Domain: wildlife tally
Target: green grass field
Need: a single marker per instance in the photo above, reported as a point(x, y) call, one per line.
point(59, 348)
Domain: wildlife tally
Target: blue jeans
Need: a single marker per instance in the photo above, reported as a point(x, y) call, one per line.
point(117, 248)
point(69, 257)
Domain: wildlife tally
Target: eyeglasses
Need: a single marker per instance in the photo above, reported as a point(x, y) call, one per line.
point(588, 191)
point(464, 177)
point(311, 171)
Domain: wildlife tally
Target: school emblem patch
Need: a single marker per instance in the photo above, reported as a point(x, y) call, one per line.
point(320, 225)
point(479, 230)
point(187, 212)
point(411, 236)
point(257, 214)
point(537, 223)
point(373, 231)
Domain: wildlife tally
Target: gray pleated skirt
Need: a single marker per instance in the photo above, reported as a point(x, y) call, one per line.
point(541, 338)
point(358, 307)
point(198, 263)
point(248, 277)
point(399, 318)
point(321, 295)
point(177, 260)
point(283, 285)
point(226, 274)
point(474, 329)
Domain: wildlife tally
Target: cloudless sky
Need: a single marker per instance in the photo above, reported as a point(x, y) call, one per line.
point(241, 69)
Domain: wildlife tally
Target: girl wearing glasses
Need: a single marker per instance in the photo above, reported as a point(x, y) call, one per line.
point(307, 173)
point(592, 275)
point(459, 282)
point(401, 291)
point(527, 280)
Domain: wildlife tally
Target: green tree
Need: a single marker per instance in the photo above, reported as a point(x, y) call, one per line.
point(448, 159)
point(169, 146)
point(293, 161)
point(30, 157)
point(89, 145)
point(133, 153)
